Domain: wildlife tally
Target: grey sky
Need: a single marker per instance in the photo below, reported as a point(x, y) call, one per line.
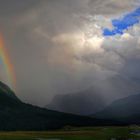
point(57, 47)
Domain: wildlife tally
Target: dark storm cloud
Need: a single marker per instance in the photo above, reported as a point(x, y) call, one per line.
point(57, 46)
point(15, 7)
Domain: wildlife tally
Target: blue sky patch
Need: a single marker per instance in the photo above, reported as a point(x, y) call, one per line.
point(122, 24)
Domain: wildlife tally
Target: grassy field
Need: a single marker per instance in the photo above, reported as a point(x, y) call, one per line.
point(86, 133)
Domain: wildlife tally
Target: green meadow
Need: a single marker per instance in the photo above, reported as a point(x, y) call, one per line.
point(86, 133)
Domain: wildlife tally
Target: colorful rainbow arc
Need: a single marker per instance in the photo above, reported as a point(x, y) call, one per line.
point(8, 67)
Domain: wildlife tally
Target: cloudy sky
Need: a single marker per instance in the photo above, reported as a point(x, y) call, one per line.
point(65, 46)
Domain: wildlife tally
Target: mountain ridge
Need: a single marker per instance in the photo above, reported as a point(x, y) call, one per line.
point(124, 109)
point(95, 97)
point(16, 115)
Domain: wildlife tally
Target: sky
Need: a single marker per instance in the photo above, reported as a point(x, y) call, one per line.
point(65, 46)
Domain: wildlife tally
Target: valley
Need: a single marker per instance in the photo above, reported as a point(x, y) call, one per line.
point(74, 133)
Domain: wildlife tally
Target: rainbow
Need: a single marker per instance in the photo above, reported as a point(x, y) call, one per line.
point(7, 65)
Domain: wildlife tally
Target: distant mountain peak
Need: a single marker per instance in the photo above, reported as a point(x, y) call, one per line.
point(125, 109)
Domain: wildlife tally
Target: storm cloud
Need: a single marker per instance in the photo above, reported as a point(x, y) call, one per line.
point(58, 47)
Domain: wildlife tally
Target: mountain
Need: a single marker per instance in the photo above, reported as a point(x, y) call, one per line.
point(5, 89)
point(125, 109)
point(95, 97)
point(16, 115)
point(81, 103)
